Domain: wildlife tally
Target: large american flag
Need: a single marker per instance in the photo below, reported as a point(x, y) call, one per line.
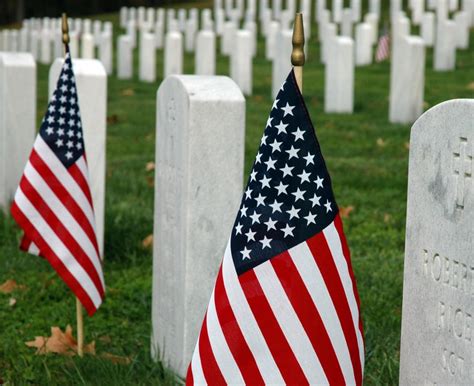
point(53, 203)
point(285, 308)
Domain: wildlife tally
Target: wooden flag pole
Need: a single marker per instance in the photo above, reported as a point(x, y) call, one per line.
point(79, 314)
point(297, 55)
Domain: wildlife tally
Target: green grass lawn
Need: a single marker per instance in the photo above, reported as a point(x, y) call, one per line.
point(366, 156)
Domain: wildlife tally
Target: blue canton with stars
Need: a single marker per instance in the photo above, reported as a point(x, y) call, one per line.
point(61, 128)
point(289, 196)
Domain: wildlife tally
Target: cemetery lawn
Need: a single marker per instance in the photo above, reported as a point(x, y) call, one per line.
point(366, 156)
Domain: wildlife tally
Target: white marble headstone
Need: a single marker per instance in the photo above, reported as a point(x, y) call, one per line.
point(438, 286)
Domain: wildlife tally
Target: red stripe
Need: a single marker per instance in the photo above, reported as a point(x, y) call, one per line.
point(209, 364)
point(80, 179)
point(189, 376)
point(234, 337)
point(25, 243)
point(322, 255)
point(56, 263)
point(275, 338)
point(64, 196)
point(308, 315)
point(347, 255)
point(61, 231)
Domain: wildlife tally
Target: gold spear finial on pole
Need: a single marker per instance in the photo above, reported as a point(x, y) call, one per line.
point(297, 55)
point(65, 29)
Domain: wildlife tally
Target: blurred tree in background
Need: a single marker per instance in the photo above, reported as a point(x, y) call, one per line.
point(12, 11)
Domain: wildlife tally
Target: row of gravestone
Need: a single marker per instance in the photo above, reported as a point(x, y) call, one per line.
point(197, 194)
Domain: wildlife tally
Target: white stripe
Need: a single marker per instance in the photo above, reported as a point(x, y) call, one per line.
point(64, 217)
point(50, 159)
point(314, 282)
point(247, 323)
point(57, 246)
point(196, 367)
point(227, 365)
point(334, 243)
point(33, 249)
point(290, 324)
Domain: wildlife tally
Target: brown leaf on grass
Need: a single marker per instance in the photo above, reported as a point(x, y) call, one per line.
point(258, 98)
point(59, 342)
point(470, 86)
point(112, 119)
point(148, 241)
point(407, 145)
point(150, 166)
point(346, 211)
point(128, 92)
point(9, 286)
point(117, 359)
point(381, 142)
point(386, 218)
point(12, 302)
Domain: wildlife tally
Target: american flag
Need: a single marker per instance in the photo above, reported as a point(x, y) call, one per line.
point(285, 308)
point(383, 48)
point(53, 203)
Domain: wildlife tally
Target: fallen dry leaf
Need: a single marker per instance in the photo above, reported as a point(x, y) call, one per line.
point(128, 92)
point(381, 142)
point(9, 286)
point(12, 302)
point(387, 218)
point(112, 119)
point(148, 241)
point(150, 166)
point(407, 145)
point(59, 342)
point(346, 211)
point(470, 86)
point(150, 181)
point(117, 359)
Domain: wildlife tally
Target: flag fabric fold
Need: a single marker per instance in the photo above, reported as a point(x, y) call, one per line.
point(53, 203)
point(285, 307)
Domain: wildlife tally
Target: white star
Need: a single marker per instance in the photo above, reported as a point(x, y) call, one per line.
point(275, 145)
point(248, 192)
point(309, 158)
point(72, 100)
point(328, 206)
point(49, 130)
point(60, 132)
point(293, 152)
point(66, 65)
point(61, 121)
point(288, 231)
point(253, 175)
point(260, 200)
point(270, 163)
point(70, 133)
point(259, 156)
point(263, 141)
point(310, 218)
point(69, 144)
point(53, 98)
point(269, 122)
point(270, 224)
point(68, 155)
point(250, 235)
point(243, 211)
point(255, 217)
point(287, 170)
point(63, 99)
point(64, 77)
point(245, 253)
point(299, 194)
point(79, 124)
point(59, 143)
point(79, 146)
point(63, 88)
point(281, 127)
point(287, 109)
point(72, 111)
point(319, 182)
point(293, 212)
point(276, 206)
point(315, 200)
point(265, 182)
point(275, 104)
point(62, 110)
point(79, 134)
point(304, 176)
point(71, 122)
point(238, 229)
point(265, 242)
point(283, 86)
point(50, 119)
point(73, 90)
point(51, 108)
point(298, 134)
point(281, 188)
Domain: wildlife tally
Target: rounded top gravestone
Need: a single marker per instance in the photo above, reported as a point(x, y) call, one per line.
point(438, 296)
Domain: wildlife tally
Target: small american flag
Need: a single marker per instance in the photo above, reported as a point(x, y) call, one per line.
point(383, 48)
point(285, 308)
point(53, 203)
